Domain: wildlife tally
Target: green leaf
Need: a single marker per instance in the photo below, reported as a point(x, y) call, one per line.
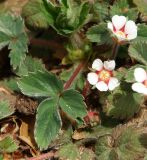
point(5, 108)
point(12, 34)
point(129, 77)
point(69, 151)
point(141, 34)
point(122, 103)
point(10, 83)
point(84, 11)
point(87, 154)
point(122, 7)
point(100, 10)
point(30, 65)
point(141, 5)
point(48, 123)
point(36, 14)
point(72, 102)
point(99, 34)
point(123, 144)
point(138, 52)
point(7, 144)
point(1, 157)
point(40, 84)
point(72, 16)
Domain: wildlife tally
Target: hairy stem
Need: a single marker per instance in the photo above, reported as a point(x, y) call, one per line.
point(86, 88)
point(115, 50)
point(74, 75)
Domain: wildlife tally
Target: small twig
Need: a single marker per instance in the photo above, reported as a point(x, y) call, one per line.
point(86, 88)
point(74, 75)
point(43, 156)
point(115, 50)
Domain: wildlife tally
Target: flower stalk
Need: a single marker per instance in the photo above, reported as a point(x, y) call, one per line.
point(74, 75)
point(86, 89)
point(115, 51)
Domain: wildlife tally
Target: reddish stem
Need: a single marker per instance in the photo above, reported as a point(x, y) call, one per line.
point(115, 50)
point(74, 75)
point(43, 156)
point(86, 88)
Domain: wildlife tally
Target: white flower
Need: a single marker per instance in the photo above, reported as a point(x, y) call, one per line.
point(123, 29)
point(141, 81)
point(103, 78)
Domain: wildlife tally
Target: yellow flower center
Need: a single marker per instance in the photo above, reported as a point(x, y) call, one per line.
point(104, 75)
point(121, 34)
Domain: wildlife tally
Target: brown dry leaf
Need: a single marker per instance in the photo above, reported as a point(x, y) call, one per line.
point(26, 134)
point(7, 156)
point(80, 134)
point(10, 127)
point(140, 119)
point(14, 6)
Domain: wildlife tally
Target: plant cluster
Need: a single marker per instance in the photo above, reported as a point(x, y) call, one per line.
point(92, 86)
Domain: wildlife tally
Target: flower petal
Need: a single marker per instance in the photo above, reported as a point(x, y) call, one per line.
point(139, 87)
point(132, 36)
point(145, 91)
point(118, 21)
point(102, 86)
point(110, 26)
point(109, 65)
point(140, 74)
point(97, 64)
point(92, 78)
point(131, 30)
point(113, 83)
point(130, 27)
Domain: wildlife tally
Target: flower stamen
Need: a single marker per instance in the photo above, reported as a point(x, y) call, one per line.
point(104, 75)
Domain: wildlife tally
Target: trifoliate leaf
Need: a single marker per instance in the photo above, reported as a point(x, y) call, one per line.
point(36, 14)
point(7, 144)
point(122, 103)
point(69, 151)
point(99, 34)
point(30, 65)
point(141, 5)
point(12, 34)
point(72, 102)
point(40, 84)
point(48, 123)
point(129, 77)
point(138, 52)
point(124, 144)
